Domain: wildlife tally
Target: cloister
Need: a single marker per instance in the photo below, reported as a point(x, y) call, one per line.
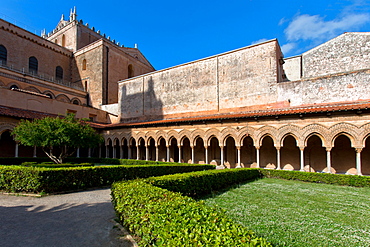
point(341, 148)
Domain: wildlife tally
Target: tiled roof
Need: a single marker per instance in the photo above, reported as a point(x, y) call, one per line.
point(22, 113)
point(304, 109)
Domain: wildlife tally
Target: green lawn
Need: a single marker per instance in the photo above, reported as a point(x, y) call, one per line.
point(293, 213)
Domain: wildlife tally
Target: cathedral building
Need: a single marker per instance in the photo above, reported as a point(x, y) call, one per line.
point(249, 107)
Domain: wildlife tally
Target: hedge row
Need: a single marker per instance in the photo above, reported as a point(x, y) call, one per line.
point(327, 178)
point(38, 179)
point(164, 218)
point(20, 160)
point(195, 184)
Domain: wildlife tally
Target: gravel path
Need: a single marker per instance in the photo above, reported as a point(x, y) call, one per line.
point(76, 219)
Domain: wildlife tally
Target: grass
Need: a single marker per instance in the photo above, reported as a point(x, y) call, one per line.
point(294, 213)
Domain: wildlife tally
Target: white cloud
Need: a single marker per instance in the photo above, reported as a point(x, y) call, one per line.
point(258, 41)
point(315, 28)
point(286, 48)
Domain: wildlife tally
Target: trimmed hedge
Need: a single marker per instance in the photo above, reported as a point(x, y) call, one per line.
point(327, 178)
point(110, 161)
point(201, 183)
point(165, 218)
point(38, 179)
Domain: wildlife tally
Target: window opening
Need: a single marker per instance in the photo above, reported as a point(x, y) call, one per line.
point(33, 65)
point(3, 55)
point(59, 73)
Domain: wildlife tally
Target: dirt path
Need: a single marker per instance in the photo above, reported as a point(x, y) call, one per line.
point(77, 219)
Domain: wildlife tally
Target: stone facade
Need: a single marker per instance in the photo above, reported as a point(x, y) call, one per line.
point(245, 108)
point(251, 108)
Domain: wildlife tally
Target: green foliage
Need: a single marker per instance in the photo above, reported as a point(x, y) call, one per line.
point(12, 178)
point(165, 218)
point(201, 183)
point(327, 178)
point(19, 179)
point(58, 137)
point(20, 160)
point(53, 165)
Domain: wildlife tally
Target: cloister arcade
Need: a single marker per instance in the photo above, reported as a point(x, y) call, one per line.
point(342, 148)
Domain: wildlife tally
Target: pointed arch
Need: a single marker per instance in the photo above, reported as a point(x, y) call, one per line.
point(229, 132)
point(347, 129)
point(211, 133)
point(292, 130)
point(194, 134)
point(266, 131)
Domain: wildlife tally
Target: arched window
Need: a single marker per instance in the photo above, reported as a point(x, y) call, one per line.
point(130, 71)
point(49, 95)
point(56, 41)
point(3, 55)
point(59, 73)
point(13, 87)
point(63, 40)
point(33, 65)
point(75, 102)
point(84, 64)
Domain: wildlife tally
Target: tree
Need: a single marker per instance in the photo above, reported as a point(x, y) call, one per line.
point(58, 137)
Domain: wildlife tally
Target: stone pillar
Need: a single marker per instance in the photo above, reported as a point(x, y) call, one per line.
point(328, 160)
point(192, 154)
point(258, 156)
point(206, 148)
point(99, 151)
point(89, 153)
point(358, 161)
point(156, 153)
point(114, 152)
point(222, 155)
point(106, 151)
point(137, 152)
point(78, 153)
point(34, 151)
point(129, 152)
point(16, 149)
point(278, 158)
point(179, 146)
point(168, 153)
point(302, 159)
point(121, 152)
point(146, 153)
point(239, 163)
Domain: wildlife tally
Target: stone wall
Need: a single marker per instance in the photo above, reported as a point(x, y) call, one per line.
point(330, 89)
point(242, 78)
point(21, 45)
point(347, 52)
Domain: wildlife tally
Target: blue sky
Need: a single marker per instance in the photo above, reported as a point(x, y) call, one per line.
point(172, 32)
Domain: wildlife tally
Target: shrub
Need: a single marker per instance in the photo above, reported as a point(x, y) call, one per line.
point(337, 179)
point(165, 218)
point(200, 183)
point(12, 178)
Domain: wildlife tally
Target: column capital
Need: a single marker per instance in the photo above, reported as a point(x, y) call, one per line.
point(328, 149)
point(359, 149)
point(302, 148)
point(238, 147)
point(257, 147)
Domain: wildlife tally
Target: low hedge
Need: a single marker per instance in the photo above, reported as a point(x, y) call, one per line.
point(327, 178)
point(48, 180)
point(20, 160)
point(196, 184)
point(160, 217)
